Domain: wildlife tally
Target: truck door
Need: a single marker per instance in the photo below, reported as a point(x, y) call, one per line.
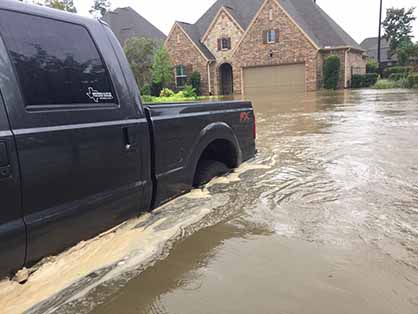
point(77, 129)
point(12, 228)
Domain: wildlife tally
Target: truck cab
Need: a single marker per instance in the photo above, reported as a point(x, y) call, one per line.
point(79, 152)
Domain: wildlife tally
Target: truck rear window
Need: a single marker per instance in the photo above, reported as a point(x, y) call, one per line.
point(57, 63)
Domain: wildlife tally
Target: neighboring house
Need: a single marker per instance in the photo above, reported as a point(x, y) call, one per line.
point(370, 45)
point(261, 47)
point(127, 23)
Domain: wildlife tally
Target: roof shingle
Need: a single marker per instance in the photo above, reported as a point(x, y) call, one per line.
point(127, 23)
point(318, 25)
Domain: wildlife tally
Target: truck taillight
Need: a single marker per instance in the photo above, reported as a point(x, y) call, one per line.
point(254, 127)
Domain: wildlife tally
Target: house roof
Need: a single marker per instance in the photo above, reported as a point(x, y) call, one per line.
point(127, 23)
point(370, 45)
point(195, 36)
point(321, 28)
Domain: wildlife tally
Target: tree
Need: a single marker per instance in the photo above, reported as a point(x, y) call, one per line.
point(332, 67)
point(407, 52)
point(100, 7)
point(65, 5)
point(140, 53)
point(398, 27)
point(162, 70)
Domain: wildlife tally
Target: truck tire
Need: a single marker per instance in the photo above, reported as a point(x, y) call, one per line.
point(207, 170)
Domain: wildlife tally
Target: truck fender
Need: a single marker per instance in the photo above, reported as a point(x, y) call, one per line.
point(217, 131)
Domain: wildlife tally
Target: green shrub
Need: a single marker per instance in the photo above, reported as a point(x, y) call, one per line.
point(364, 80)
point(357, 81)
point(147, 98)
point(413, 80)
point(332, 67)
point(388, 84)
point(180, 94)
point(397, 76)
point(396, 70)
point(372, 66)
point(156, 89)
point(146, 90)
point(195, 81)
point(166, 92)
point(189, 92)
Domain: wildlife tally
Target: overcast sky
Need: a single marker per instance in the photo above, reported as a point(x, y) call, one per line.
point(358, 17)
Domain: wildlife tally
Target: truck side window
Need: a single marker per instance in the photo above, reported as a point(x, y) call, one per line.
point(57, 63)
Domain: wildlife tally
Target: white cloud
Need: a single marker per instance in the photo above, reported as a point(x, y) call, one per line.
point(358, 17)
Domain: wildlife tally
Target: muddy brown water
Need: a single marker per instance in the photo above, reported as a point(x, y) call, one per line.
point(324, 220)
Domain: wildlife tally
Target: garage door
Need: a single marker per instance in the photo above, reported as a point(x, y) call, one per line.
point(274, 80)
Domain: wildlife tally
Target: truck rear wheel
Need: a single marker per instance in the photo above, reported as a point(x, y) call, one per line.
point(207, 170)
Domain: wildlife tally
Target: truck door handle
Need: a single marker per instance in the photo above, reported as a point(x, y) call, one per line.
point(128, 142)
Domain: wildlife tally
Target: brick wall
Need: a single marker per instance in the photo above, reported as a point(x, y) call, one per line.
point(293, 47)
point(183, 52)
point(223, 27)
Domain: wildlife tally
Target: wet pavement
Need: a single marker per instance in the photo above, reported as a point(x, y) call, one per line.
point(324, 220)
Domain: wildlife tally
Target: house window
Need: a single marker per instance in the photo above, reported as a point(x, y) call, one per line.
point(271, 36)
point(181, 76)
point(224, 43)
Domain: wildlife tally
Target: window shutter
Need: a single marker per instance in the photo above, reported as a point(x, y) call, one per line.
point(277, 35)
point(219, 44)
point(264, 37)
point(229, 43)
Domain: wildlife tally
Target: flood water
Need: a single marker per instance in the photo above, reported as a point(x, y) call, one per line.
point(324, 220)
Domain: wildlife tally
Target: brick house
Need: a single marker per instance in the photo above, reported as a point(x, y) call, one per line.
point(261, 47)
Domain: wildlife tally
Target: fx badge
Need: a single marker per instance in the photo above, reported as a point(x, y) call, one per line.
point(244, 116)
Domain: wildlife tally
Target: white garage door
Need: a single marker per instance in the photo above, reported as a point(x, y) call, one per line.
point(277, 80)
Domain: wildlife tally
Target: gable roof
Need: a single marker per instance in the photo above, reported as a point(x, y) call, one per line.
point(370, 45)
point(127, 23)
point(318, 25)
point(195, 36)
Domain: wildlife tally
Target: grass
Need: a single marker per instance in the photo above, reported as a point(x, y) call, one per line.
point(390, 84)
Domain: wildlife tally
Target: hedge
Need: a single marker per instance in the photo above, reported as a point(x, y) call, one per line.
point(413, 79)
point(396, 70)
point(364, 80)
point(332, 67)
point(372, 66)
point(397, 76)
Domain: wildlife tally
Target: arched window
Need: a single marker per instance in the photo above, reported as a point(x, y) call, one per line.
point(181, 76)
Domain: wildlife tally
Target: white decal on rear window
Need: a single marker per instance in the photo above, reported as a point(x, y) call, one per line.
point(97, 96)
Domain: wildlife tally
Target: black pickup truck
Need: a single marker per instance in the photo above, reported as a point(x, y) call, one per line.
point(79, 153)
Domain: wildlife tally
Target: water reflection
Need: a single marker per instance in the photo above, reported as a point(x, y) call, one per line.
point(329, 226)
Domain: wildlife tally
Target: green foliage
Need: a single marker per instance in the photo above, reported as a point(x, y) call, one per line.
point(398, 26)
point(365, 80)
point(332, 67)
point(99, 8)
point(162, 70)
point(146, 90)
point(166, 92)
point(189, 92)
point(396, 76)
point(64, 5)
point(140, 53)
point(407, 52)
point(372, 66)
point(195, 81)
point(156, 89)
point(387, 84)
point(413, 80)
point(396, 70)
